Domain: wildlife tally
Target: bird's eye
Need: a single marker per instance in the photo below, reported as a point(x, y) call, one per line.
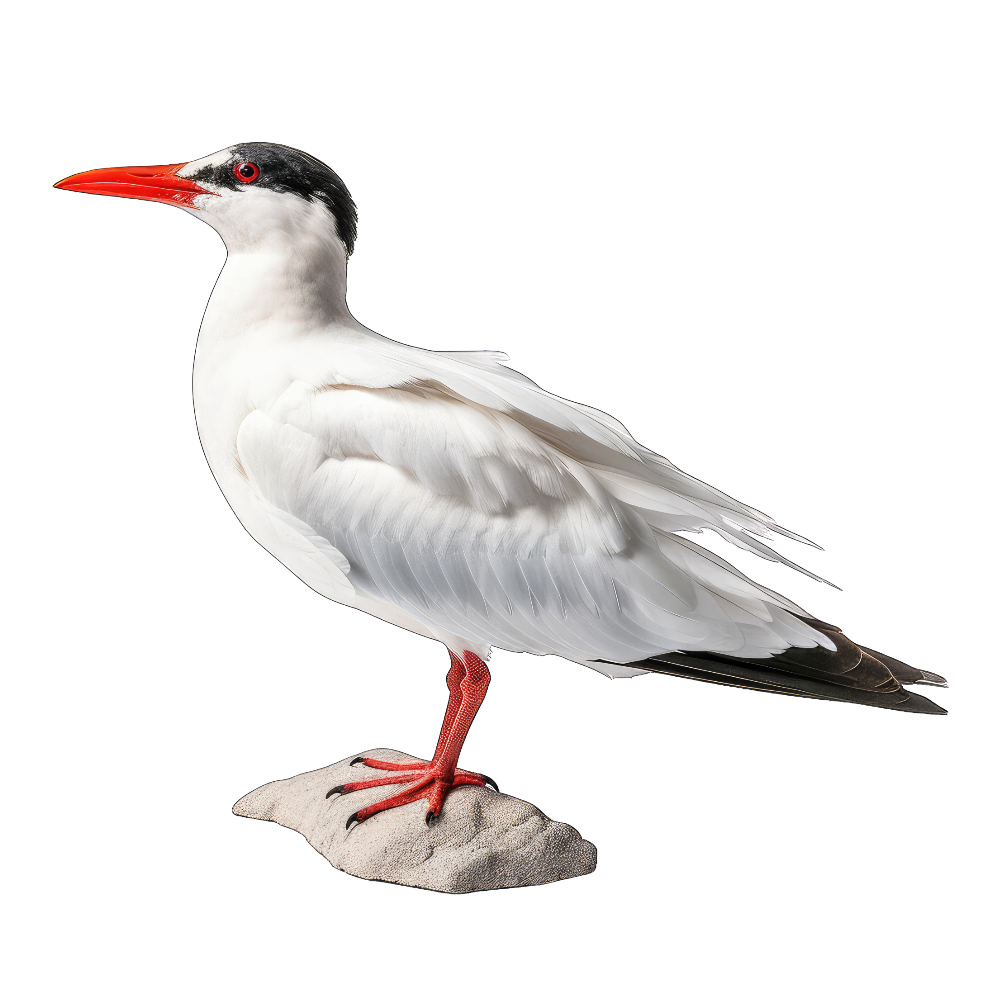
point(246, 172)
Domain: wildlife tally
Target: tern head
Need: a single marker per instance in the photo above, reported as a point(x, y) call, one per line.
point(254, 194)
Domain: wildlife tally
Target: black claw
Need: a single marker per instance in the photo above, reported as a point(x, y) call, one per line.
point(338, 790)
point(357, 760)
point(352, 820)
point(431, 818)
point(490, 782)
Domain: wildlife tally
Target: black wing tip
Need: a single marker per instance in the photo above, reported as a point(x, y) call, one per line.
point(919, 704)
point(903, 672)
point(931, 678)
point(753, 676)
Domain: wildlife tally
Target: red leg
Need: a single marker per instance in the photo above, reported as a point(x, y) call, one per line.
point(456, 675)
point(454, 682)
point(467, 681)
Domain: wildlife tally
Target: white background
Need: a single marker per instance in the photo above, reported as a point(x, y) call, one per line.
point(765, 237)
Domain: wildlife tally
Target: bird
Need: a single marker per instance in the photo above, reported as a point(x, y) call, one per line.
point(448, 494)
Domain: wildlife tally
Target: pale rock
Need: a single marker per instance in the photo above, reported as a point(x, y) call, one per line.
point(482, 840)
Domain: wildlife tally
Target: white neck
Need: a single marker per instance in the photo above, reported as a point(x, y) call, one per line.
point(286, 265)
point(279, 300)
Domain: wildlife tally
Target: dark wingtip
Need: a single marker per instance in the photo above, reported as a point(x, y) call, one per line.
point(918, 703)
point(931, 678)
point(716, 668)
point(905, 673)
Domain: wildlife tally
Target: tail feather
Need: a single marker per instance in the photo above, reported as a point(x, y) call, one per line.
point(850, 673)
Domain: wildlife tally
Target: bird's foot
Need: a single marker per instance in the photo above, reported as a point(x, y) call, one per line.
point(414, 765)
point(426, 780)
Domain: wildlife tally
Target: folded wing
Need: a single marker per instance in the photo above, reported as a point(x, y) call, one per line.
point(485, 508)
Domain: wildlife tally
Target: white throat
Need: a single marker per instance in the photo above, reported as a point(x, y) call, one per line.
point(279, 304)
point(286, 262)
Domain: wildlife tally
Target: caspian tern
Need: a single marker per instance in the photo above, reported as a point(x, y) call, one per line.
point(450, 495)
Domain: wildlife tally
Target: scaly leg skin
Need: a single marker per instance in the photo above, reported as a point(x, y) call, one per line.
point(467, 680)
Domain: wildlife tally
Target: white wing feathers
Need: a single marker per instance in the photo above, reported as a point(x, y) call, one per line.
point(585, 429)
point(460, 493)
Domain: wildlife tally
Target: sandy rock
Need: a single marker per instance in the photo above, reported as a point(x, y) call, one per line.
point(483, 839)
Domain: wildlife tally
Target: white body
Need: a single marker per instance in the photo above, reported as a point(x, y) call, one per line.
point(446, 493)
